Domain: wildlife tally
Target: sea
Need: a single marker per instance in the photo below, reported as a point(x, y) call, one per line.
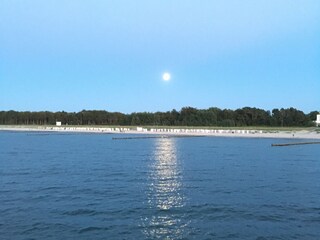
point(92, 186)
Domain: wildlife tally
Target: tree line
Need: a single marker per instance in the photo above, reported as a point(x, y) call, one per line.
point(187, 116)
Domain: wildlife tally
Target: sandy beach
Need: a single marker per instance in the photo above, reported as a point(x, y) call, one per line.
point(302, 134)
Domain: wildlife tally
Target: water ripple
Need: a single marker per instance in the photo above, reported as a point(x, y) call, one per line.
point(86, 186)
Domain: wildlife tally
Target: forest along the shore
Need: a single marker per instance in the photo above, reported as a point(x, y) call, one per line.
point(187, 116)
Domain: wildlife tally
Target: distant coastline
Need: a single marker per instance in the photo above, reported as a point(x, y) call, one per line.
point(187, 116)
point(311, 133)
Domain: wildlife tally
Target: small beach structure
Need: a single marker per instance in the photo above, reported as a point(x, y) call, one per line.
point(141, 129)
point(318, 120)
point(58, 124)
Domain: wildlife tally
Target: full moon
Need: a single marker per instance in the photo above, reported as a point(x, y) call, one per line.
point(166, 76)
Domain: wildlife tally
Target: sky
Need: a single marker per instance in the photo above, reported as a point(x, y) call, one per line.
point(70, 55)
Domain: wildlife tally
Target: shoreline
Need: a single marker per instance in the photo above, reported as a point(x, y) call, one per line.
point(299, 134)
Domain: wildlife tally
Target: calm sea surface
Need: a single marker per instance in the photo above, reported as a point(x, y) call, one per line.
point(88, 186)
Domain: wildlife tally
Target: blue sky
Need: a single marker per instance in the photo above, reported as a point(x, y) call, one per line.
point(73, 55)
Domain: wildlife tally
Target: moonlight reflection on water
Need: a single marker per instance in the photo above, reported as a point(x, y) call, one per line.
point(165, 192)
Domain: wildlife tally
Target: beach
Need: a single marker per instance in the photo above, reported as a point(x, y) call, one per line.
point(249, 133)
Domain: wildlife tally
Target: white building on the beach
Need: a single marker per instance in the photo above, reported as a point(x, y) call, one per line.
point(58, 124)
point(318, 120)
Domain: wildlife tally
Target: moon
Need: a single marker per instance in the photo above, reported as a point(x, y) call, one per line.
point(166, 76)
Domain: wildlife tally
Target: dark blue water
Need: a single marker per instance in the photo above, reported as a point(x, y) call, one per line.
point(88, 186)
